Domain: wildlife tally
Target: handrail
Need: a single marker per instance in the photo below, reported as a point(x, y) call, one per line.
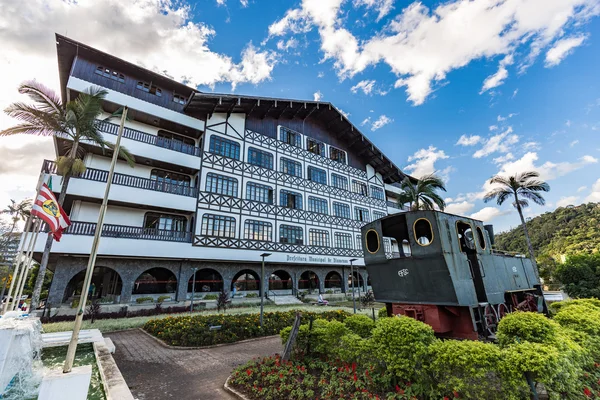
point(128, 232)
point(139, 136)
point(98, 175)
point(393, 204)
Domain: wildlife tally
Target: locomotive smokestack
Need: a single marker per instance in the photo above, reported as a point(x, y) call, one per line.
point(490, 230)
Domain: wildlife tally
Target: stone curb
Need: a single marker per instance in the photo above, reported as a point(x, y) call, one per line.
point(168, 346)
point(233, 391)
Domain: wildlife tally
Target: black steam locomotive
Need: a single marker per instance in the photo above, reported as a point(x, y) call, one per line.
point(440, 268)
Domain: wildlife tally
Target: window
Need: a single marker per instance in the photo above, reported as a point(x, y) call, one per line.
point(107, 73)
point(221, 184)
point(315, 146)
point(465, 237)
point(377, 193)
point(290, 199)
point(261, 158)
point(317, 175)
point(257, 230)
point(290, 137)
point(167, 222)
point(359, 187)
point(318, 205)
point(358, 242)
point(291, 167)
point(218, 225)
point(341, 210)
point(148, 88)
point(179, 99)
point(169, 177)
point(318, 237)
point(361, 214)
point(378, 215)
point(423, 232)
point(258, 192)
point(343, 240)
point(480, 238)
point(173, 141)
point(387, 245)
point(337, 155)
point(224, 147)
point(291, 234)
point(339, 181)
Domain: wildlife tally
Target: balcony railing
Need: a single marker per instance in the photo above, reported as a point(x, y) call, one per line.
point(128, 232)
point(393, 204)
point(139, 136)
point(100, 175)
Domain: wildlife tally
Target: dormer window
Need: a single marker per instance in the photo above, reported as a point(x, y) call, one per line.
point(315, 146)
point(108, 73)
point(149, 88)
point(179, 99)
point(290, 137)
point(337, 155)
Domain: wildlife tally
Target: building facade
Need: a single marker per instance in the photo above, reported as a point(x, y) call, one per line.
point(218, 181)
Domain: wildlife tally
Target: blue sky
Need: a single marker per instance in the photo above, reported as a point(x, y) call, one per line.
point(516, 79)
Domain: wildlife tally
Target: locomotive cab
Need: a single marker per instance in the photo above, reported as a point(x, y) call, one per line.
point(440, 268)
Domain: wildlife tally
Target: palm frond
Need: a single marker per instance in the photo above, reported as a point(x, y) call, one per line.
point(499, 193)
point(27, 129)
point(89, 104)
point(533, 196)
point(123, 153)
point(47, 100)
point(525, 176)
point(499, 179)
point(538, 186)
point(34, 116)
point(521, 202)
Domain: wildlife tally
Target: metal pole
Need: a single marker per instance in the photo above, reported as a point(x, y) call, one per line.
point(17, 295)
point(193, 290)
point(262, 291)
point(93, 253)
point(353, 298)
point(18, 259)
point(27, 264)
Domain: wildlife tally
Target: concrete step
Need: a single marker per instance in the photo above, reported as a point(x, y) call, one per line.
point(281, 300)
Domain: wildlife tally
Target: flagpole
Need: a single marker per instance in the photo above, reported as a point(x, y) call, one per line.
point(18, 259)
point(27, 264)
point(94, 252)
point(15, 304)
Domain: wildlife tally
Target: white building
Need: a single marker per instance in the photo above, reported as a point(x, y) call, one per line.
point(218, 181)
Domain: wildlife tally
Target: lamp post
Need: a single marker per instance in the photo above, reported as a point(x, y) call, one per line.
point(352, 275)
point(193, 289)
point(262, 287)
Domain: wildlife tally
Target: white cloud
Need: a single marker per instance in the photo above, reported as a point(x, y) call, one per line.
point(487, 214)
point(422, 45)
point(365, 121)
point(531, 146)
point(244, 3)
point(291, 43)
point(568, 123)
point(500, 118)
point(317, 96)
point(459, 208)
point(493, 128)
point(504, 158)
point(581, 189)
point(465, 140)
point(321, 74)
point(515, 93)
point(561, 49)
point(424, 161)
point(595, 193)
point(366, 86)
point(380, 122)
point(574, 142)
point(567, 201)
point(497, 143)
point(498, 78)
point(382, 7)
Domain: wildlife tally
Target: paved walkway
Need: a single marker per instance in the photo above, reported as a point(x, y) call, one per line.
point(154, 372)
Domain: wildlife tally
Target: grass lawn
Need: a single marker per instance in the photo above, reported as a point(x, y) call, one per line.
point(119, 324)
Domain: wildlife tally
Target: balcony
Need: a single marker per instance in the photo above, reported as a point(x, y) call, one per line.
point(127, 189)
point(128, 232)
point(393, 207)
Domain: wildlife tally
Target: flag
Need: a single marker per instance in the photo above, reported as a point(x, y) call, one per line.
point(47, 208)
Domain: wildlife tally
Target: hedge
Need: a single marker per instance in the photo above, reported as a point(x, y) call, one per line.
point(195, 330)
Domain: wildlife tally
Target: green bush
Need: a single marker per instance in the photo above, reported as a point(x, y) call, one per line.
point(161, 299)
point(590, 303)
point(360, 324)
point(382, 313)
point(353, 348)
point(211, 296)
point(581, 317)
point(518, 327)
point(251, 295)
point(141, 300)
point(195, 330)
point(470, 368)
point(325, 336)
point(402, 343)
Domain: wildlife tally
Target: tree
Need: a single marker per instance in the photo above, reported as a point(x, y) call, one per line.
point(580, 275)
point(422, 194)
point(75, 121)
point(522, 187)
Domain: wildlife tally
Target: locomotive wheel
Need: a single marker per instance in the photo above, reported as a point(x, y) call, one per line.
point(491, 319)
point(502, 310)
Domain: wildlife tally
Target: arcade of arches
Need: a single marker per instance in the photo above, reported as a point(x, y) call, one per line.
point(124, 280)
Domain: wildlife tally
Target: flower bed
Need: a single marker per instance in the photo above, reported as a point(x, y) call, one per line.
point(195, 330)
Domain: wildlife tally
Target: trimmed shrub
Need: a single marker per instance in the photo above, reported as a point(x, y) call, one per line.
point(141, 300)
point(518, 327)
point(211, 296)
point(161, 299)
point(560, 305)
point(352, 348)
point(382, 313)
point(252, 295)
point(360, 324)
point(581, 317)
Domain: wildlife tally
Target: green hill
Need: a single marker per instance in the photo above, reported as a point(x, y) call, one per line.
point(566, 230)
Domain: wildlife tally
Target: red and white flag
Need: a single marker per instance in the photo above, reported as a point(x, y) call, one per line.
point(46, 207)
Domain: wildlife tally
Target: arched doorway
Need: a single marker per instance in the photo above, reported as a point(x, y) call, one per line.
point(333, 280)
point(106, 285)
point(246, 280)
point(205, 280)
point(359, 283)
point(308, 281)
point(280, 280)
point(155, 281)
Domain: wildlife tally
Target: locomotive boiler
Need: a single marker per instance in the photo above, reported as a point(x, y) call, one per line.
point(440, 268)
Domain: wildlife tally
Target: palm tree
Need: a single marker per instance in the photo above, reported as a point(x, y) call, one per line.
point(522, 187)
point(18, 212)
point(74, 121)
point(422, 194)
